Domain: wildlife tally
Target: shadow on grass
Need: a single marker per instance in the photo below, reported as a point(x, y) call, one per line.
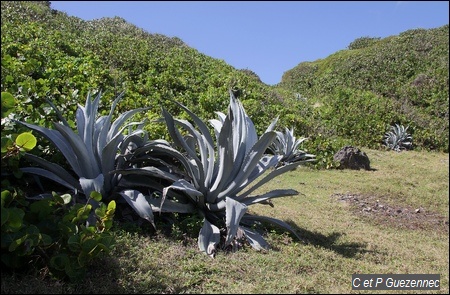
point(330, 242)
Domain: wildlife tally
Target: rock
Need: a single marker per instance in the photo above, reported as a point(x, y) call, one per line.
point(352, 158)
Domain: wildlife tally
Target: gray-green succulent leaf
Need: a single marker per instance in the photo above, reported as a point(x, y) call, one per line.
point(95, 150)
point(220, 175)
point(255, 239)
point(234, 211)
point(208, 238)
point(139, 203)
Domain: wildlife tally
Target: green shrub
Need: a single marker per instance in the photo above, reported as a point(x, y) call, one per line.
point(362, 42)
point(51, 233)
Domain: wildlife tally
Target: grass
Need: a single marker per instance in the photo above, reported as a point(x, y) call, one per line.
point(351, 222)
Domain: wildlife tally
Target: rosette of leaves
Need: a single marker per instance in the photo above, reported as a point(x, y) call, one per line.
point(287, 145)
point(398, 138)
point(220, 176)
point(94, 150)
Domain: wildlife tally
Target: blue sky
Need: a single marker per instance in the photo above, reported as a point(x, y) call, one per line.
point(267, 37)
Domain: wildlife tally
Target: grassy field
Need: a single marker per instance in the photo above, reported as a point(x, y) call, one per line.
point(391, 220)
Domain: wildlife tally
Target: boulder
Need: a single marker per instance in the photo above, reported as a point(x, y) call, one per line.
point(352, 158)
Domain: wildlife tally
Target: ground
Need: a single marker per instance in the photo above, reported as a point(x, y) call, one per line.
point(394, 215)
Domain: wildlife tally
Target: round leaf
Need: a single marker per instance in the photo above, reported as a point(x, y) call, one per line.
point(26, 141)
point(8, 103)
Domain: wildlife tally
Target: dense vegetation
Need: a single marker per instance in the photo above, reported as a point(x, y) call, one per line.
point(377, 82)
point(400, 79)
point(51, 62)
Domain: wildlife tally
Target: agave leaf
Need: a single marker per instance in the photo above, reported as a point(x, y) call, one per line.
point(186, 187)
point(139, 203)
point(266, 162)
point(116, 125)
point(206, 146)
point(92, 185)
point(206, 150)
point(179, 141)
point(87, 160)
point(139, 181)
point(274, 173)
point(208, 238)
point(85, 117)
point(50, 175)
point(226, 164)
point(108, 160)
point(89, 185)
point(58, 112)
point(217, 126)
point(271, 220)
point(233, 214)
point(270, 195)
point(255, 239)
point(250, 162)
point(148, 171)
point(155, 147)
point(60, 172)
point(171, 206)
point(271, 127)
point(60, 142)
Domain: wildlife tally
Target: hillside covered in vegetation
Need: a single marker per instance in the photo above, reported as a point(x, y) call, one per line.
point(351, 97)
point(374, 82)
point(71, 87)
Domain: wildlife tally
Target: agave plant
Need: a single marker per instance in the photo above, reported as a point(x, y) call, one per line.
point(397, 138)
point(287, 145)
point(216, 176)
point(92, 152)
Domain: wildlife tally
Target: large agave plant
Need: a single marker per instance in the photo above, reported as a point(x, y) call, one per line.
point(218, 178)
point(287, 145)
point(398, 138)
point(93, 151)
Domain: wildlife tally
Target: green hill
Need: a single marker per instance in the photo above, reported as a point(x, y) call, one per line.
point(401, 79)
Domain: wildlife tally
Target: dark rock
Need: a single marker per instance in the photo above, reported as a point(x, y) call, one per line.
point(352, 158)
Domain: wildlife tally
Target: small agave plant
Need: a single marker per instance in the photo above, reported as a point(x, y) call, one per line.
point(287, 145)
point(93, 151)
point(215, 177)
point(397, 138)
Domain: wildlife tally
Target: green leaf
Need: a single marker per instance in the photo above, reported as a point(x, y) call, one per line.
point(88, 245)
point(46, 239)
point(5, 215)
point(6, 197)
point(59, 261)
point(16, 243)
point(15, 219)
point(8, 103)
point(96, 196)
point(66, 198)
point(6, 144)
point(112, 206)
point(26, 141)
